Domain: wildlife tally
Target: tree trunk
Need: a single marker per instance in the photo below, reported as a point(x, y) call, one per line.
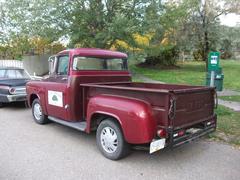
point(206, 47)
point(205, 39)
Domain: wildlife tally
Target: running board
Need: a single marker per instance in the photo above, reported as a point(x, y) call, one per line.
point(81, 126)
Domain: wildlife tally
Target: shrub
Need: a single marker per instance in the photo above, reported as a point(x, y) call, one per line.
point(198, 55)
point(165, 56)
point(226, 55)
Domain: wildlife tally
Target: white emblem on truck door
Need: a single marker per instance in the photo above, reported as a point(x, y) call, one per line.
point(55, 98)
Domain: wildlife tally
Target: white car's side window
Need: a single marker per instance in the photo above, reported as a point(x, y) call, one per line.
point(2, 73)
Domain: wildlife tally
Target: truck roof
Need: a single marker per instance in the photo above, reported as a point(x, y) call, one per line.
point(94, 52)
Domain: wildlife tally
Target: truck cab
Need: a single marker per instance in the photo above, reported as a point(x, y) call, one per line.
point(91, 90)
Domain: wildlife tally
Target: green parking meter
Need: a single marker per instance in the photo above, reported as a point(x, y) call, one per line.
point(213, 65)
point(213, 61)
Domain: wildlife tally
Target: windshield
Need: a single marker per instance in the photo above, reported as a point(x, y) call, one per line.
point(92, 63)
point(13, 74)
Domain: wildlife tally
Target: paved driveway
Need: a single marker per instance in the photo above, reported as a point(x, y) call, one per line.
point(31, 151)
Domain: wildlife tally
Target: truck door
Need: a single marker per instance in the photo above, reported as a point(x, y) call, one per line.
point(56, 90)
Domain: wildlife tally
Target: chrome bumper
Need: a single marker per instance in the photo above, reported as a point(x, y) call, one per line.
point(12, 98)
point(206, 129)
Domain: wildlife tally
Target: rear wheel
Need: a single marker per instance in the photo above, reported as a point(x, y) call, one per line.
point(110, 140)
point(37, 112)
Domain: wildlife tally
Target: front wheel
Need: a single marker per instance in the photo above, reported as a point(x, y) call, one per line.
point(37, 113)
point(110, 140)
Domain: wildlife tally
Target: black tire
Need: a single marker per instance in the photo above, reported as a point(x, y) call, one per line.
point(42, 119)
point(1, 104)
point(122, 147)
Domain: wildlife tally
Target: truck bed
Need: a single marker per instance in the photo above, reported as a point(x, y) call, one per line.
point(175, 106)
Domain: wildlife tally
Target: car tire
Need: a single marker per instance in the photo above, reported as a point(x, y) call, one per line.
point(37, 113)
point(1, 104)
point(111, 141)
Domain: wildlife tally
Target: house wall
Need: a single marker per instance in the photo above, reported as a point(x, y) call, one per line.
point(37, 64)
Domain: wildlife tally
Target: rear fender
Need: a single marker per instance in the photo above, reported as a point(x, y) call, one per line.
point(134, 116)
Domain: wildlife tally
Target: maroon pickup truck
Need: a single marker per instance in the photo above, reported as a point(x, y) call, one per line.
point(91, 90)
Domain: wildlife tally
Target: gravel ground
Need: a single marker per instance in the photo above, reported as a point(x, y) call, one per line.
point(30, 151)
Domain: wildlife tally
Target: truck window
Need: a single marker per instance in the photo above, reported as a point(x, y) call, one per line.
point(92, 63)
point(63, 65)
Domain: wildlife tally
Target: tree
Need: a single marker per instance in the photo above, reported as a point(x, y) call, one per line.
point(96, 23)
point(178, 25)
point(198, 29)
point(206, 20)
point(32, 18)
point(229, 41)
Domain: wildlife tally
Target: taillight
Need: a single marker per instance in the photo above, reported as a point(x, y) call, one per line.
point(181, 133)
point(161, 133)
point(12, 90)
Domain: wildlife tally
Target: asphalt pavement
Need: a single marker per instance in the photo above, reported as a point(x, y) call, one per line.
point(29, 151)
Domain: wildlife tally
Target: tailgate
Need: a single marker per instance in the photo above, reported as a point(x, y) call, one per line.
point(192, 106)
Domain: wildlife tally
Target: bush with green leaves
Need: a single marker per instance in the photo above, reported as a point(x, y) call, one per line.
point(164, 56)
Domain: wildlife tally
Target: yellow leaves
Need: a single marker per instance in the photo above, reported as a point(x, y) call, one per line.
point(124, 45)
point(165, 41)
point(39, 44)
point(120, 43)
point(56, 47)
point(23, 45)
point(43, 46)
point(140, 40)
point(78, 45)
point(143, 41)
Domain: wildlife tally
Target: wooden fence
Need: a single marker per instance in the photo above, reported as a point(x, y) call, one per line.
point(11, 63)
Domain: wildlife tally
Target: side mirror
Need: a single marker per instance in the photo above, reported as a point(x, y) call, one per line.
point(52, 64)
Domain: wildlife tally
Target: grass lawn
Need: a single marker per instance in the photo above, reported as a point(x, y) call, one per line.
point(230, 98)
point(228, 126)
point(193, 73)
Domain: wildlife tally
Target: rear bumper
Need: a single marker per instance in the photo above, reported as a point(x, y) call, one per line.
point(6, 98)
point(188, 137)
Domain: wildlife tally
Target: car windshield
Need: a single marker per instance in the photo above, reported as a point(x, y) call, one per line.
point(93, 63)
point(13, 74)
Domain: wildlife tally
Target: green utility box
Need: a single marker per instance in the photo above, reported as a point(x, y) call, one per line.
point(214, 65)
point(218, 79)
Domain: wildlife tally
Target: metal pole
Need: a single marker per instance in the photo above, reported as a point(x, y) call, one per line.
point(212, 78)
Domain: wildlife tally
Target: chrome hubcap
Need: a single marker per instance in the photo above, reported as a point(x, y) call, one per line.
point(37, 111)
point(109, 139)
